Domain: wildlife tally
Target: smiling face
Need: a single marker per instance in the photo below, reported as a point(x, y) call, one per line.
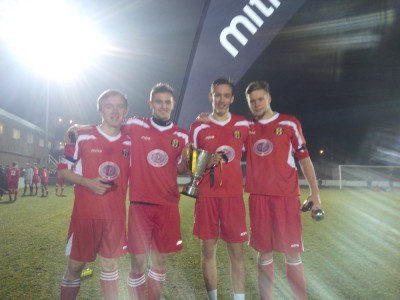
point(161, 105)
point(221, 98)
point(113, 110)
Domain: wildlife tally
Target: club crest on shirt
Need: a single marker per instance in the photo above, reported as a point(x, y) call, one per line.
point(174, 143)
point(157, 158)
point(263, 147)
point(125, 153)
point(279, 131)
point(228, 150)
point(236, 134)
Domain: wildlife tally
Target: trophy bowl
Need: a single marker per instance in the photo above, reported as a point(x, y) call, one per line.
point(198, 160)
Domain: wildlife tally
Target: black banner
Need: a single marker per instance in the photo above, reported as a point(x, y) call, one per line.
point(231, 36)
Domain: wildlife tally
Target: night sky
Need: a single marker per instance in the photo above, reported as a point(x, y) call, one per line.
point(335, 65)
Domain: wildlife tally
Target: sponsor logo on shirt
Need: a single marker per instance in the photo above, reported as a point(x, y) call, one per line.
point(228, 150)
point(109, 170)
point(209, 137)
point(157, 158)
point(263, 147)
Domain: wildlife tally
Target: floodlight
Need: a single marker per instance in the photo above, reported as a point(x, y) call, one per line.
point(50, 37)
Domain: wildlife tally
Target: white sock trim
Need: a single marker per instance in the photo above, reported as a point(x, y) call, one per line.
point(109, 276)
point(70, 284)
point(156, 276)
point(134, 282)
point(295, 263)
point(266, 262)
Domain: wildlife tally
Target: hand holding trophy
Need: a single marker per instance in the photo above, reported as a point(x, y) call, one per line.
point(198, 161)
point(109, 171)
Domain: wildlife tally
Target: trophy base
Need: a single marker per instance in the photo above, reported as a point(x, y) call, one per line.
point(190, 191)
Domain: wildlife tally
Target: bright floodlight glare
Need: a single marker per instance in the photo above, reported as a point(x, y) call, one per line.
point(50, 37)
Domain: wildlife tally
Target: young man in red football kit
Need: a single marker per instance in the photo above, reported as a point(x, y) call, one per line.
point(275, 141)
point(59, 184)
point(13, 174)
point(99, 169)
point(158, 154)
point(219, 209)
point(44, 181)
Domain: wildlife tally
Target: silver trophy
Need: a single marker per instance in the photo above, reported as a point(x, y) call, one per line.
point(198, 160)
point(109, 171)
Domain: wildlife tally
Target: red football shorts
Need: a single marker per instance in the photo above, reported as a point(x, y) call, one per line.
point(154, 227)
point(13, 185)
point(88, 237)
point(35, 179)
point(220, 217)
point(275, 224)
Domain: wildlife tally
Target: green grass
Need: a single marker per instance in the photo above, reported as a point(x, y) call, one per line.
point(353, 254)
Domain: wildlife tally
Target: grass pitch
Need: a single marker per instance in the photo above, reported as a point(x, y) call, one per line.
point(353, 254)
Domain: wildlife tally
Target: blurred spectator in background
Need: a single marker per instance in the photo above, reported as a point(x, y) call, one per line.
point(59, 185)
point(3, 182)
point(35, 178)
point(44, 179)
point(28, 176)
point(13, 179)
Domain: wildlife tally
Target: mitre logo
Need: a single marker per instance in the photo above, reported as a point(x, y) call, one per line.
point(96, 151)
point(246, 22)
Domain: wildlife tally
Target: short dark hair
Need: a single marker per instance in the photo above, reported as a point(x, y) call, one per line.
point(257, 85)
point(220, 81)
point(110, 93)
point(161, 87)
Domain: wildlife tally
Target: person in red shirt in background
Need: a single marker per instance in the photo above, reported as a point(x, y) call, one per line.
point(35, 178)
point(99, 168)
point(44, 180)
point(13, 174)
point(59, 184)
point(219, 209)
point(275, 142)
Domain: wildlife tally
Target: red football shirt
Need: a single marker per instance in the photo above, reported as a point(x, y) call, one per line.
point(13, 175)
point(155, 155)
point(273, 146)
point(44, 176)
point(230, 137)
point(99, 155)
point(35, 177)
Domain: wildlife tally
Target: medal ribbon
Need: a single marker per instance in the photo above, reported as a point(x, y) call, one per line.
point(194, 160)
